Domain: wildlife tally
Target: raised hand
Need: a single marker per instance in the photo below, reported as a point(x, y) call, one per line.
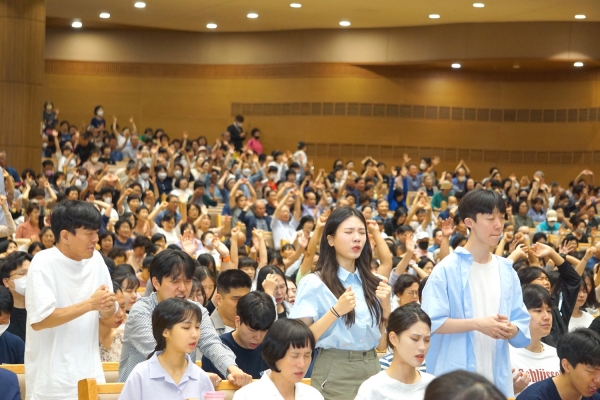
point(410, 243)
point(372, 226)
point(447, 227)
point(383, 293)
point(270, 284)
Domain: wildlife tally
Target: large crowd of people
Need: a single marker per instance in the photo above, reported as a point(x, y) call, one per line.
point(375, 281)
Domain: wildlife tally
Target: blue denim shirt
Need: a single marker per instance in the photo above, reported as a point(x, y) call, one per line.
point(447, 294)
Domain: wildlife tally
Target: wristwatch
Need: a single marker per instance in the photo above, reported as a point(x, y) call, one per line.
point(563, 255)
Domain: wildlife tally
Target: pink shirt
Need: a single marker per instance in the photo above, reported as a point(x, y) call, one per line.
point(26, 231)
point(255, 145)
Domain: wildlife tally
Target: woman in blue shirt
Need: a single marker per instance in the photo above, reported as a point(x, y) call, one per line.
point(345, 305)
point(169, 372)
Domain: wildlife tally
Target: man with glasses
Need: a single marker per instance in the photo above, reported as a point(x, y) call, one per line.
point(12, 348)
point(13, 273)
point(170, 206)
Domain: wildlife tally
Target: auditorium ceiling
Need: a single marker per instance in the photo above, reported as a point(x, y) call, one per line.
point(276, 15)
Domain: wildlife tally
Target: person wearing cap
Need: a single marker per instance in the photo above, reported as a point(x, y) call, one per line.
point(550, 226)
point(442, 195)
point(422, 239)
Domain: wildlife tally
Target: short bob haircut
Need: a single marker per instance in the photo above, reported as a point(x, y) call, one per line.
point(535, 296)
point(11, 262)
point(256, 310)
point(285, 333)
point(480, 201)
point(167, 314)
point(404, 282)
point(72, 215)
point(402, 318)
point(462, 385)
point(529, 274)
point(171, 264)
point(581, 346)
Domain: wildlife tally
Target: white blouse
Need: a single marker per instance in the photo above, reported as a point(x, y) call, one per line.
point(265, 389)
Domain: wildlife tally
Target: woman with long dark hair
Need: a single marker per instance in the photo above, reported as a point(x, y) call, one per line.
point(345, 305)
point(176, 329)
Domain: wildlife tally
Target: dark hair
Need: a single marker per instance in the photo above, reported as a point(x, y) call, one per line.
point(285, 333)
point(35, 245)
point(172, 264)
point(201, 273)
point(11, 262)
point(304, 220)
point(247, 262)
point(402, 318)
point(327, 266)
point(256, 310)
point(591, 301)
point(197, 287)
point(457, 239)
point(207, 261)
point(116, 287)
point(530, 274)
point(422, 287)
point(262, 275)
point(535, 296)
point(480, 201)
point(156, 237)
point(4, 245)
point(462, 385)
point(116, 252)
point(141, 241)
point(167, 314)
point(581, 346)
point(232, 279)
point(404, 282)
point(537, 236)
point(125, 271)
point(6, 300)
point(71, 215)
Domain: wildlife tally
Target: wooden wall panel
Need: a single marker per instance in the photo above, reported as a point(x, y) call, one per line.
point(507, 122)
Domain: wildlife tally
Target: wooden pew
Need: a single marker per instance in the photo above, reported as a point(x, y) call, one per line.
point(89, 389)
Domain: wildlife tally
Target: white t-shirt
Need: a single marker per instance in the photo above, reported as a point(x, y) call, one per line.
point(383, 387)
point(265, 389)
point(582, 322)
point(57, 358)
point(172, 237)
point(539, 365)
point(486, 302)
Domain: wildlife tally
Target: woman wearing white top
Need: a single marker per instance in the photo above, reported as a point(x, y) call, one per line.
point(287, 349)
point(580, 318)
point(409, 331)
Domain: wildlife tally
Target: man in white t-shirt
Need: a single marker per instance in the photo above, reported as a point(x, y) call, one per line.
point(474, 299)
point(68, 289)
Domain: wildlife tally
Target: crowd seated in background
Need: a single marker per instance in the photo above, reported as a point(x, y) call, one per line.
point(364, 244)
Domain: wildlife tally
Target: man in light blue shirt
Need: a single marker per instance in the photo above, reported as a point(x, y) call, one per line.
point(474, 300)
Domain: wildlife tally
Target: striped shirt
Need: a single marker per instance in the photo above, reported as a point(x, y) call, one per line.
point(139, 342)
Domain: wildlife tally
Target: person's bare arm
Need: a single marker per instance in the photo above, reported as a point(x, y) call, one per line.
point(344, 305)
point(280, 204)
point(447, 231)
point(50, 191)
point(301, 247)
point(262, 248)
point(102, 301)
point(297, 214)
point(428, 215)
point(233, 248)
point(385, 256)
point(313, 243)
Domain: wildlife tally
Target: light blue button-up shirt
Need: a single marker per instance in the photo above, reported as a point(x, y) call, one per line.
point(447, 294)
point(314, 300)
point(150, 381)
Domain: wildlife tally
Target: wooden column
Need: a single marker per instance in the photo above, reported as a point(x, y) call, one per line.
point(22, 34)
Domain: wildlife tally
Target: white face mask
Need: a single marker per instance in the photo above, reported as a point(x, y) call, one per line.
point(177, 173)
point(3, 328)
point(246, 172)
point(273, 176)
point(423, 166)
point(145, 176)
point(462, 178)
point(162, 175)
point(107, 200)
point(146, 160)
point(20, 285)
point(100, 113)
point(208, 242)
point(44, 145)
point(95, 159)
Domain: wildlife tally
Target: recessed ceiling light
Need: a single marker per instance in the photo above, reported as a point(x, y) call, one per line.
point(140, 4)
point(456, 65)
point(478, 5)
point(295, 5)
point(578, 64)
point(252, 15)
point(76, 24)
point(345, 23)
point(580, 16)
point(104, 15)
point(211, 26)
point(434, 16)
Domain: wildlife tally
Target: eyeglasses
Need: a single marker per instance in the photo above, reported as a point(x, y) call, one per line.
point(411, 293)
